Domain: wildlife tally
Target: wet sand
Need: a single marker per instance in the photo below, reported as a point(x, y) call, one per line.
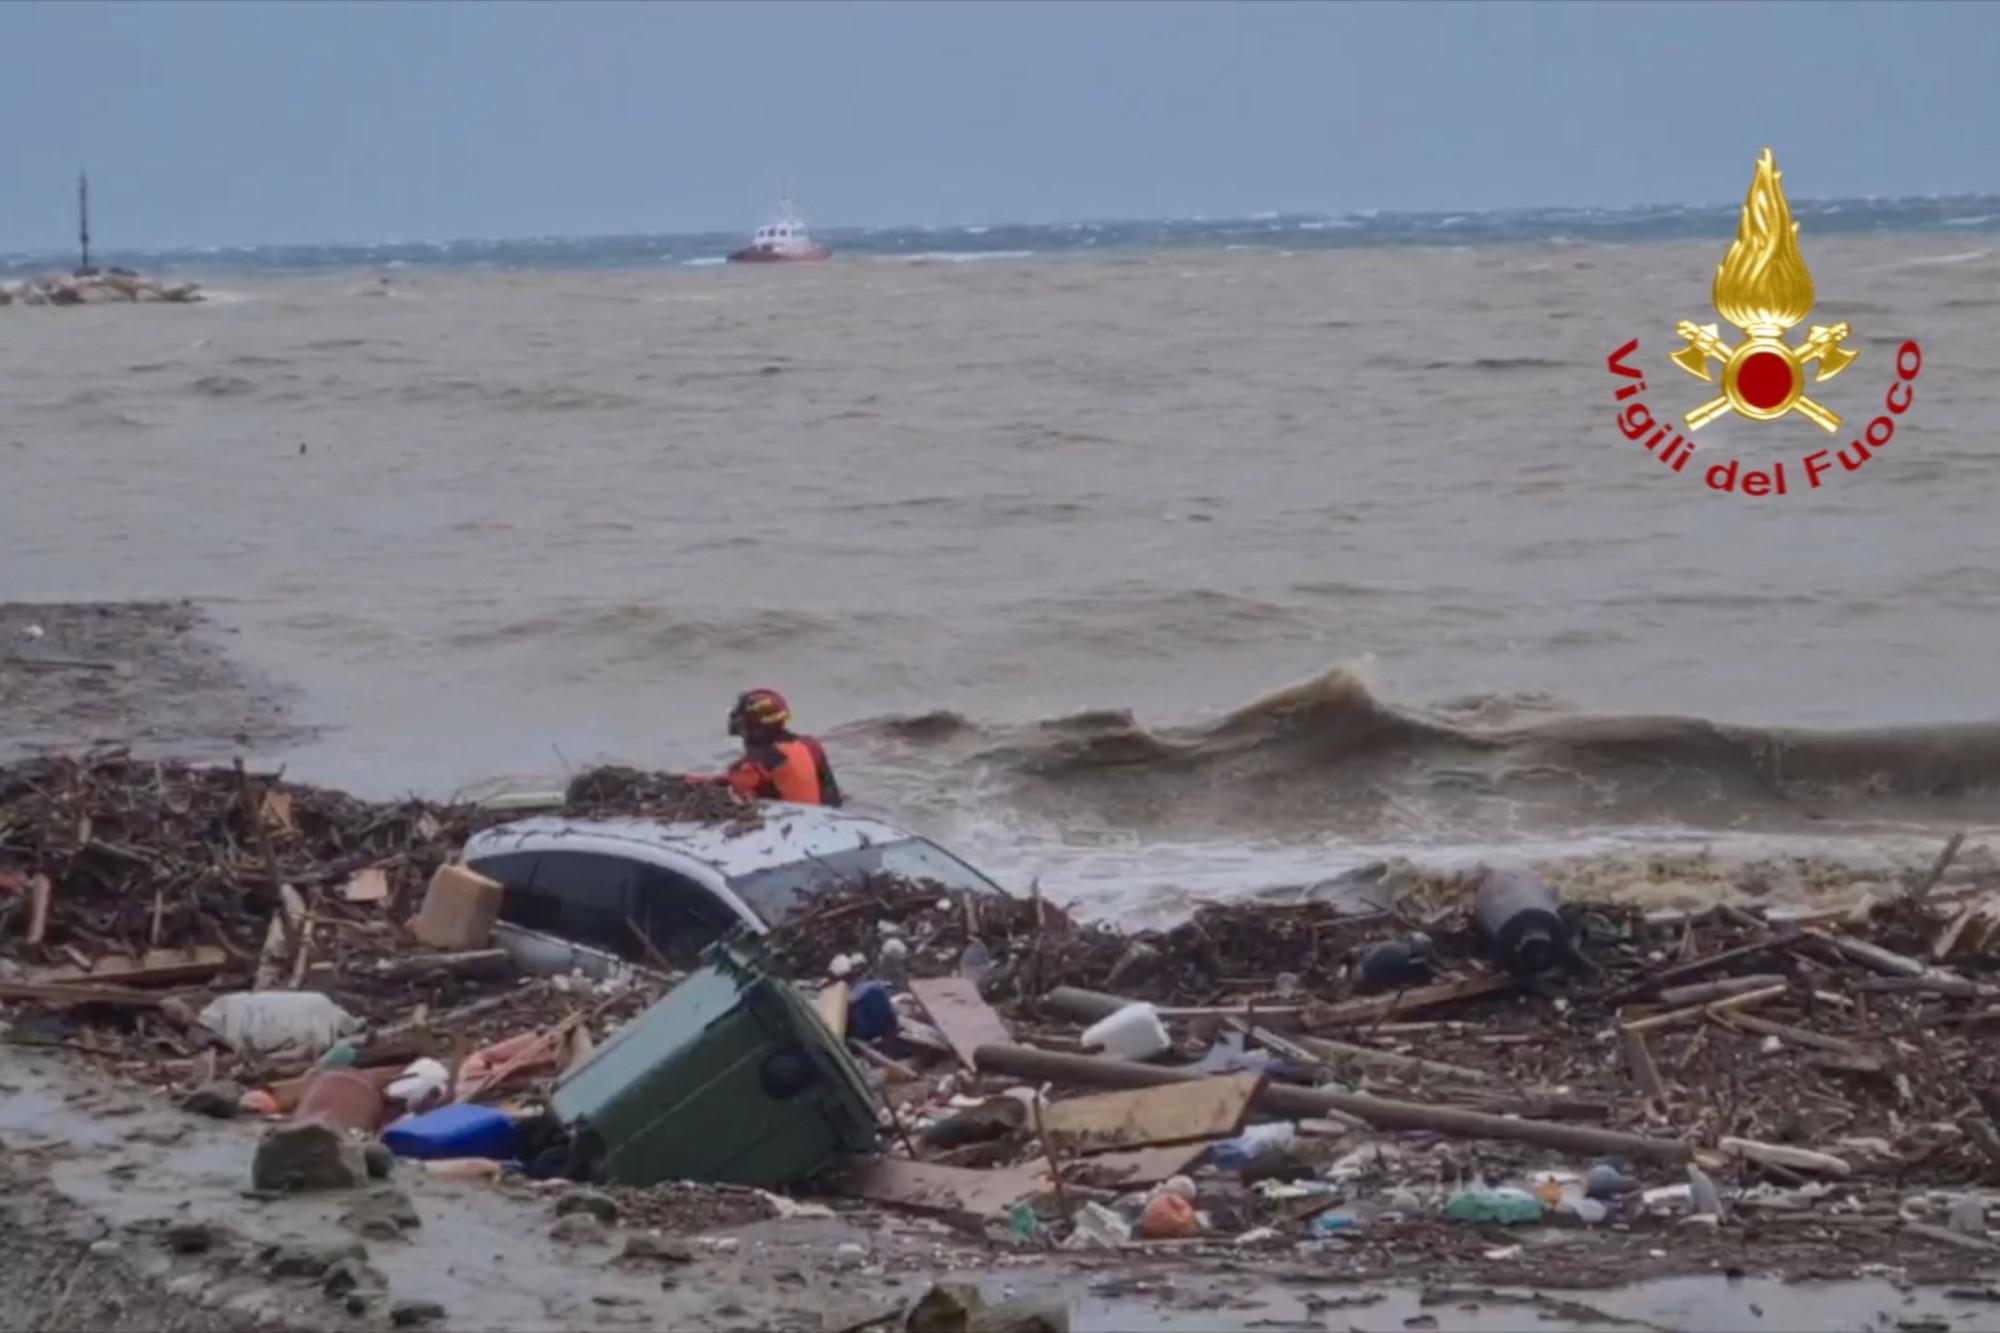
point(97, 1173)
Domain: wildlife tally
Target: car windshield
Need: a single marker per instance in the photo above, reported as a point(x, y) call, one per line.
point(773, 893)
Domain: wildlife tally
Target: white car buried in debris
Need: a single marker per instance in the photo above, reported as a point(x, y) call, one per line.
point(597, 895)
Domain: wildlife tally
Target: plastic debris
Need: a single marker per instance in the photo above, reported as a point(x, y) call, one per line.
point(1098, 1227)
point(1168, 1217)
point(1133, 1033)
point(1332, 1223)
point(1605, 1181)
point(269, 1022)
point(1702, 1194)
point(1508, 1207)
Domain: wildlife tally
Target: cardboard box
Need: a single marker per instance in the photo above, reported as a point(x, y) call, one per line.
point(459, 910)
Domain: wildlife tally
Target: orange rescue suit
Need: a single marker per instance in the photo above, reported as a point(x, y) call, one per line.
point(793, 769)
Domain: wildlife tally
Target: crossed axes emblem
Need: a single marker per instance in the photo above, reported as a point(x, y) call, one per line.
point(1705, 344)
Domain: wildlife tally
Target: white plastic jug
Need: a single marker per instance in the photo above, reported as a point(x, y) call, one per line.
point(1133, 1033)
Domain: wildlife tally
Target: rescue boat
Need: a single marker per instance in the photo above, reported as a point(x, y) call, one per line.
point(783, 240)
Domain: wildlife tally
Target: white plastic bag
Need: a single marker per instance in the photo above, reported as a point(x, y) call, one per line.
point(422, 1086)
point(263, 1022)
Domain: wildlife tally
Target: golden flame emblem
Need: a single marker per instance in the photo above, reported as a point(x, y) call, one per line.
point(1763, 288)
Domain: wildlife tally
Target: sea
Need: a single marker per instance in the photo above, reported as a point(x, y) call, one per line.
point(1151, 561)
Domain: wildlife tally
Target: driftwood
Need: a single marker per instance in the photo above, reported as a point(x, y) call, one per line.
point(1677, 1016)
point(1796, 1159)
point(1382, 1113)
point(1644, 1072)
point(1716, 990)
point(1922, 888)
point(1338, 1053)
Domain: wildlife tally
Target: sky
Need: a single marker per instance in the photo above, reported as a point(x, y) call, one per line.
point(305, 122)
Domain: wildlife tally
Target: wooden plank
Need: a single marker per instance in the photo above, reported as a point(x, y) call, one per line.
point(367, 886)
point(1381, 1006)
point(831, 1006)
point(946, 1189)
point(38, 907)
point(967, 1021)
point(155, 967)
point(1136, 1168)
point(56, 994)
point(1673, 1017)
point(1207, 1109)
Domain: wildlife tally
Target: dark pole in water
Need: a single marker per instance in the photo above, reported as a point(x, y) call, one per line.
point(83, 216)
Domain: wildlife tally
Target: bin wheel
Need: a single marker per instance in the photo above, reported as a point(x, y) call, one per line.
point(787, 1073)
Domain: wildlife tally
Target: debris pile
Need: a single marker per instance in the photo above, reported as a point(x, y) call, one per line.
point(134, 894)
point(633, 793)
point(96, 285)
point(1825, 1071)
point(1398, 1083)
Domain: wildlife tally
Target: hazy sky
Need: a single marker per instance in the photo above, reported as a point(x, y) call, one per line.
point(244, 122)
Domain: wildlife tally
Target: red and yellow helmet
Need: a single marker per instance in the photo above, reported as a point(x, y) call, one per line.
point(759, 710)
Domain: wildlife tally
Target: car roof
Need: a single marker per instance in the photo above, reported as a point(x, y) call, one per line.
point(789, 833)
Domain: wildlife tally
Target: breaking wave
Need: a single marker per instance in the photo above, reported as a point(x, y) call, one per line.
point(1328, 756)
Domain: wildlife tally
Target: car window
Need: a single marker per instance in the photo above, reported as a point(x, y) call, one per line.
point(584, 897)
point(511, 869)
point(774, 893)
point(680, 918)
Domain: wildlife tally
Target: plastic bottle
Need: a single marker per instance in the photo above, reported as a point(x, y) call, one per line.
point(1508, 1207)
point(975, 962)
point(1706, 1199)
point(1517, 915)
point(1258, 1141)
point(1133, 1033)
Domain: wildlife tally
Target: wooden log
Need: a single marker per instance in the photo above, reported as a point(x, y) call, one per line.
point(57, 994)
point(1948, 1237)
point(1957, 989)
point(473, 964)
point(1676, 996)
point(1982, 1135)
point(1882, 960)
point(1784, 1032)
point(1678, 1016)
point(1382, 1113)
point(1922, 888)
point(1796, 1159)
point(155, 967)
point(1681, 972)
point(1644, 1072)
point(1376, 1007)
point(1337, 1053)
point(39, 890)
point(1087, 1006)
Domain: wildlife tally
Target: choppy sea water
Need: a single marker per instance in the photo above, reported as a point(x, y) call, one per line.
point(1153, 569)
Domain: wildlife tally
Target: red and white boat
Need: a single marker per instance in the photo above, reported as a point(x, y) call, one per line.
point(783, 240)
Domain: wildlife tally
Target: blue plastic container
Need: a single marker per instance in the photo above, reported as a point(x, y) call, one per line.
point(870, 1015)
point(452, 1131)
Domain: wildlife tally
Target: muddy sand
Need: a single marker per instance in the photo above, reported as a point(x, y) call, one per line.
point(123, 1212)
point(156, 676)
